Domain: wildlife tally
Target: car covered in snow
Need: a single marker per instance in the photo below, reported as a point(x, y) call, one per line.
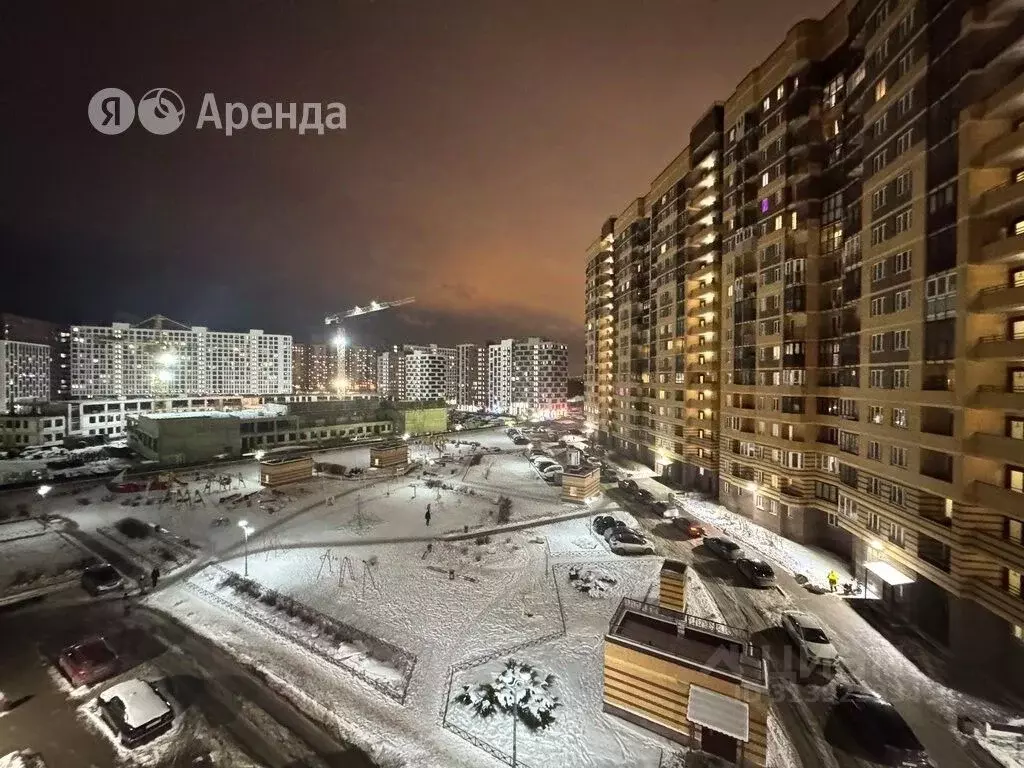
point(689, 527)
point(877, 727)
point(727, 549)
point(101, 579)
point(626, 542)
point(757, 572)
point(629, 485)
point(88, 662)
point(617, 528)
point(644, 496)
point(810, 638)
point(135, 711)
point(602, 523)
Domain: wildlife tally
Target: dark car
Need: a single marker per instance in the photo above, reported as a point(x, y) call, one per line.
point(99, 579)
point(603, 523)
point(90, 661)
point(629, 485)
point(877, 727)
point(727, 549)
point(757, 572)
point(520, 441)
point(614, 528)
point(644, 497)
point(691, 528)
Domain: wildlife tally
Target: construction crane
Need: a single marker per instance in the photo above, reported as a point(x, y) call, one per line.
point(373, 306)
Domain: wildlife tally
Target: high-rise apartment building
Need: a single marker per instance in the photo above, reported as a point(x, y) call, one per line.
point(427, 374)
point(160, 357)
point(391, 374)
point(24, 373)
point(817, 310)
point(449, 386)
point(471, 376)
point(315, 368)
point(359, 368)
point(527, 377)
point(32, 331)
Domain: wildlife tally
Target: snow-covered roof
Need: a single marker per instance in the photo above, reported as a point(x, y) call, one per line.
point(141, 702)
point(247, 413)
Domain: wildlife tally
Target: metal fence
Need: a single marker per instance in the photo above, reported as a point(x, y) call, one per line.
point(484, 658)
point(404, 661)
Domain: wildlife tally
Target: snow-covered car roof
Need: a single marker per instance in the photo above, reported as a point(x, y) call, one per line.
point(142, 704)
point(804, 620)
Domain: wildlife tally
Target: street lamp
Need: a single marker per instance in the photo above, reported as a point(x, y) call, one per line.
point(259, 455)
point(42, 490)
point(246, 530)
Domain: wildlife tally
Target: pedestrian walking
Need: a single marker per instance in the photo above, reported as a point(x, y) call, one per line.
point(154, 576)
point(427, 515)
point(833, 580)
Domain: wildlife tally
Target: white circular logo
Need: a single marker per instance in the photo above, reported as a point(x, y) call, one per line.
point(161, 111)
point(111, 111)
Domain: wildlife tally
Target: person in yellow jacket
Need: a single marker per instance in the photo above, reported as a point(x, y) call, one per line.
point(833, 581)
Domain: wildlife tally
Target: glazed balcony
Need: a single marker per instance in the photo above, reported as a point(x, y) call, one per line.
point(1006, 151)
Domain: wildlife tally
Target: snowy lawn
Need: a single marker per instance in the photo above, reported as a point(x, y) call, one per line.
point(22, 758)
point(34, 562)
point(21, 529)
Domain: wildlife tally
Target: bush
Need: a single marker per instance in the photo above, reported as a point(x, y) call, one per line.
point(464, 549)
point(481, 540)
point(269, 597)
point(478, 557)
point(475, 459)
point(504, 509)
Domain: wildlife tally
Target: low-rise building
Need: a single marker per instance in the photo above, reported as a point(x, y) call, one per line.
point(672, 585)
point(691, 680)
point(581, 483)
point(387, 455)
point(418, 418)
point(40, 427)
point(275, 472)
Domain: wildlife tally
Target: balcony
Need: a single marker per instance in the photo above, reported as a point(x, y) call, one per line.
point(997, 447)
point(704, 291)
point(999, 397)
point(1008, 197)
point(1010, 99)
point(997, 498)
point(1006, 151)
point(1000, 298)
point(1009, 248)
point(999, 348)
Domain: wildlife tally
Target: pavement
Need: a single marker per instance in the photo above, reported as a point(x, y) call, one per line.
point(205, 683)
point(804, 706)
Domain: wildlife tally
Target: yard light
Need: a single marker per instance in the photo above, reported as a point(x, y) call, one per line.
point(259, 455)
point(246, 530)
point(406, 436)
point(42, 490)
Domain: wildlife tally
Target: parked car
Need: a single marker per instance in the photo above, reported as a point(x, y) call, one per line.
point(602, 523)
point(88, 662)
point(630, 543)
point(135, 711)
point(545, 463)
point(691, 528)
point(629, 485)
point(611, 530)
point(757, 572)
point(878, 727)
point(727, 549)
point(644, 496)
point(520, 441)
point(535, 452)
point(811, 640)
point(609, 476)
point(100, 579)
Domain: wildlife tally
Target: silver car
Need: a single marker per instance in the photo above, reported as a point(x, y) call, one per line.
point(810, 638)
point(627, 542)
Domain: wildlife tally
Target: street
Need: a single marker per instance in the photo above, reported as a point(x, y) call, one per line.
point(221, 706)
point(804, 705)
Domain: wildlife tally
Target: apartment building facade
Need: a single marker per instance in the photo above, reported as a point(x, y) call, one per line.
point(24, 373)
point(315, 368)
point(56, 337)
point(864, 307)
point(161, 358)
point(391, 374)
point(427, 374)
point(359, 368)
point(471, 376)
point(527, 377)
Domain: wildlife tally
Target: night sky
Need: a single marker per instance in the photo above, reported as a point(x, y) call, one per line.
point(487, 141)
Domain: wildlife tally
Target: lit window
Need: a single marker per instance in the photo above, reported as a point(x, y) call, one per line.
point(880, 89)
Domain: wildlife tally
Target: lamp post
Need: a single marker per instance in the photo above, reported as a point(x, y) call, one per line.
point(246, 530)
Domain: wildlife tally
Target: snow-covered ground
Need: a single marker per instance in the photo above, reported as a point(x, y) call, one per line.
point(32, 562)
point(22, 758)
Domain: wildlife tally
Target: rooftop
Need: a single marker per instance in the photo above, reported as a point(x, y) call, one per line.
point(695, 642)
point(678, 566)
point(582, 471)
point(242, 413)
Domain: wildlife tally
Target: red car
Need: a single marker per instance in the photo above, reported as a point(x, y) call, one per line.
point(88, 662)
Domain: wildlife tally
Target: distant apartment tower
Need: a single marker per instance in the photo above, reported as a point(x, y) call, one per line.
point(427, 374)
point(24, 373)
point(451, 366)
point(391, 374)
point(471, 376)
point(819, 311)
point(56, 337)
point(359, 368)
point(527, 377)
point(161, 357)
point(314, 368)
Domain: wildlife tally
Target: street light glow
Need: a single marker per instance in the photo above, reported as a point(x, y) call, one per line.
point(406, 436)
point(167, 359)
point(259, 455)
point(43, 490)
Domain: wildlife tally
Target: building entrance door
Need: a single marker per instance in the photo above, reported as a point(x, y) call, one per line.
point(716, 743)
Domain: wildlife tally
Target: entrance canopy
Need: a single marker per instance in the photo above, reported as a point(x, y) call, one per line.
point(888, 574)
point(720, 713)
